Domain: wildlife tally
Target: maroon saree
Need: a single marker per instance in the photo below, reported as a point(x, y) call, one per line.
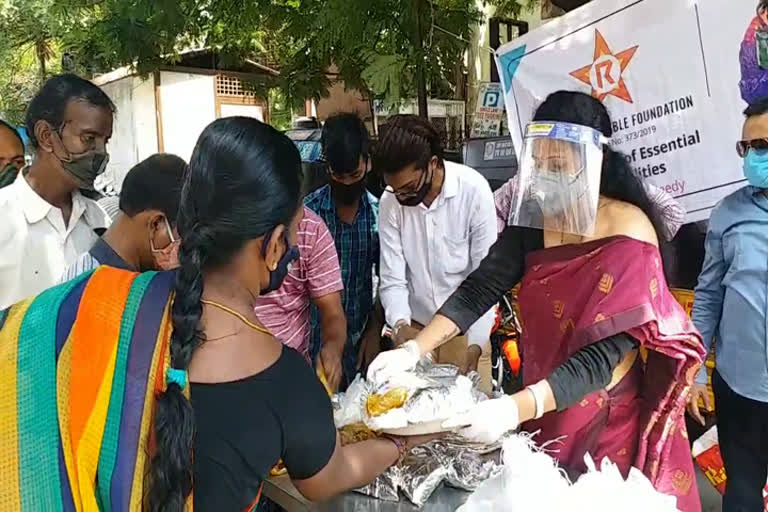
point(575, 295)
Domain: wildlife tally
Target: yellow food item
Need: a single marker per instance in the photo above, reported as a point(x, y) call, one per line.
point(355, 434)
point(380, 404)
point(278, 470)
point(323, 380)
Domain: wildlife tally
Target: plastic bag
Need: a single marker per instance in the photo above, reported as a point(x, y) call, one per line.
point(348, 407)
point(706, 451)
point(532, 480)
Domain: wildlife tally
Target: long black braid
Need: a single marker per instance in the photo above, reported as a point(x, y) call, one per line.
point(244, 179)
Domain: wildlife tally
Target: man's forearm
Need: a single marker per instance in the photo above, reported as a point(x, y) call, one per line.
point(334, 330)
point(376, 320)
point(394, 301)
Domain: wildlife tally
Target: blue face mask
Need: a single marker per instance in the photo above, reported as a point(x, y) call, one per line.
point(756, 168)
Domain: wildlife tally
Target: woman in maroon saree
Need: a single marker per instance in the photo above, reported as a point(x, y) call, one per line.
point(590, 306)
point(596, 290)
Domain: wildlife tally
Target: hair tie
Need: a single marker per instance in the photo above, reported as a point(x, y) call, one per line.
point(176, 376)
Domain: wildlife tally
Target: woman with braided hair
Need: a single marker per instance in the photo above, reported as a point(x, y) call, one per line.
point(124, 391)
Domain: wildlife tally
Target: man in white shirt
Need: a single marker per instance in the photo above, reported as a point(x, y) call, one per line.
point(47, 222)
point(437, 221)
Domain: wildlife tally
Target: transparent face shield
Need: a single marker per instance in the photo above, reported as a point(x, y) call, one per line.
point(559, 178)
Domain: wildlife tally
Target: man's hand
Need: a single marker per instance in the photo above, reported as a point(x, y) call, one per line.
point(698, 390)
point(333, 322)
point(370, 346)
point(330, 358)
point(473, 358)
point(405, 333)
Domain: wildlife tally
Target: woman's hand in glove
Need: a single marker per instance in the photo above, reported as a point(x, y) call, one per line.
point(487, 421)
point(393, 362)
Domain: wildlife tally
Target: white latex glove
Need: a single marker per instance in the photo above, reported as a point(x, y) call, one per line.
point(488, 420)
point(392, 362)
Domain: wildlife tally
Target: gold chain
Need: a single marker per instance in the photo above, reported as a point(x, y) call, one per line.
point(236, 314)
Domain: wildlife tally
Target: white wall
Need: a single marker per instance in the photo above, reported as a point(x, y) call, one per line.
point(134, 133)
point(254, 111)
point(187, 107)
point(145, 117)
point(122, 146)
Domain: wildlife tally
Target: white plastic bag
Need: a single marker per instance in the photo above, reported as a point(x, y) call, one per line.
point(531, 480)
point(348, 407)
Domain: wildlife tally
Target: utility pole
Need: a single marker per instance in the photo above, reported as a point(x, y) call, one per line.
point(421, 78)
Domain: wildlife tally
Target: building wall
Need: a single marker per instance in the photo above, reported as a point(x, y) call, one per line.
point(134, 132)
point(532, 16)
point(187, 106)
point(145, 118)
point(122, 146)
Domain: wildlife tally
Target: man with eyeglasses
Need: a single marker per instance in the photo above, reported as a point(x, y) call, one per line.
point(351, 214)
point(731, 306)
point(438, 221)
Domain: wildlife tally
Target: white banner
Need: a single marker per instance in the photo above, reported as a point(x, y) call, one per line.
point(668, 71)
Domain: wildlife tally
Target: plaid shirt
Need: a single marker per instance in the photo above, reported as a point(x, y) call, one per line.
point(358, 248)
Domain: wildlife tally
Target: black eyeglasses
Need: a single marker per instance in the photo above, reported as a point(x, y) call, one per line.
point(743, 146)
point(411, 192)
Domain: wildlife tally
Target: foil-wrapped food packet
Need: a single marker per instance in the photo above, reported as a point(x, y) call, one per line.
point(426, 467)
point(429, 393)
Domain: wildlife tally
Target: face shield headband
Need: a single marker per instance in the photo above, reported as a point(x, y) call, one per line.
point(559, 178)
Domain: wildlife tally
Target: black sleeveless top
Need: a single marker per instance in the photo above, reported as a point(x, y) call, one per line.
point(244, 427)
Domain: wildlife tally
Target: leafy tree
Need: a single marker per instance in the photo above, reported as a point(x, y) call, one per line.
point(393, 49)
point(27, 50)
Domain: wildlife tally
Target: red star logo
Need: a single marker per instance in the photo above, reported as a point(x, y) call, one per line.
point(604, 75)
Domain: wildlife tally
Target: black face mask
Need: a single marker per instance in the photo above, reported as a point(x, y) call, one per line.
point(417, 197)
point(8, 175)
point(277, 276)
point(347, 194)
point(84, 167)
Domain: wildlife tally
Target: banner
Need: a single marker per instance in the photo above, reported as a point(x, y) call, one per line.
point(489, 111)
point(669, 72)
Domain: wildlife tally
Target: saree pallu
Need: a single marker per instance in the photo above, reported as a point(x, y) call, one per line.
point(576, 295)
point(80, 365)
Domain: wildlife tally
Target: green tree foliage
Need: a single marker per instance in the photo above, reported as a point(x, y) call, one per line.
point(374, 45)
point(27, 46)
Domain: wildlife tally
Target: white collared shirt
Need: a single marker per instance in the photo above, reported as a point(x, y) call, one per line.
point(426, 253)
point(36, 245)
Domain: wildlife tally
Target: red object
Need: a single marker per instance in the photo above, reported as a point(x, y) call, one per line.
point(706, 451)
point(497, 323)
point(509, 348)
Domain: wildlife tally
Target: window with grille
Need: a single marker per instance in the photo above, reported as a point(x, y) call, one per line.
point(231, 86)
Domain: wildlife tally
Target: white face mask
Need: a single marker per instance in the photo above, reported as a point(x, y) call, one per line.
point(166, 258)
point(555, 191)
point(559, 178)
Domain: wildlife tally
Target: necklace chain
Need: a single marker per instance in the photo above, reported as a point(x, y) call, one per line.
point(236, 314)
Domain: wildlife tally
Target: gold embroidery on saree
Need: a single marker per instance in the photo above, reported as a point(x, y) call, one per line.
point(606, 284)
